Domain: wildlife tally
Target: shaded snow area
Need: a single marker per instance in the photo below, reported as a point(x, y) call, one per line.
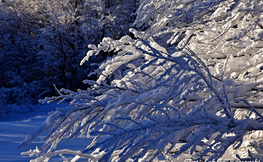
point(13, 130)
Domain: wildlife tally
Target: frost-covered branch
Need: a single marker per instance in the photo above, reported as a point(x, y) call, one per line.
point(183, 97)
point(157, 99)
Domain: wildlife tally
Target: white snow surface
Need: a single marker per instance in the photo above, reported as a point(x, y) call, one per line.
point(14, 128)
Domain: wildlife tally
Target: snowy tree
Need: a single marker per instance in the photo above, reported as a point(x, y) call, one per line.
point(187, 86)
point(42, 43)
point(17, 42)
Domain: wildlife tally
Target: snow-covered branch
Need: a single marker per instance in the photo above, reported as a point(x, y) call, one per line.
point(178, 100)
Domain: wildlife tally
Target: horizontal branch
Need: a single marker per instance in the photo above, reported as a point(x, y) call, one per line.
point(244, 106)
point(66, 151)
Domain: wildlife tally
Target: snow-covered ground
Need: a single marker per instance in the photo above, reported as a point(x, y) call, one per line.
point(13, 129)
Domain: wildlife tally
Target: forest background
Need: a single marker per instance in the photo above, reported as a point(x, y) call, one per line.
point(43, 42)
